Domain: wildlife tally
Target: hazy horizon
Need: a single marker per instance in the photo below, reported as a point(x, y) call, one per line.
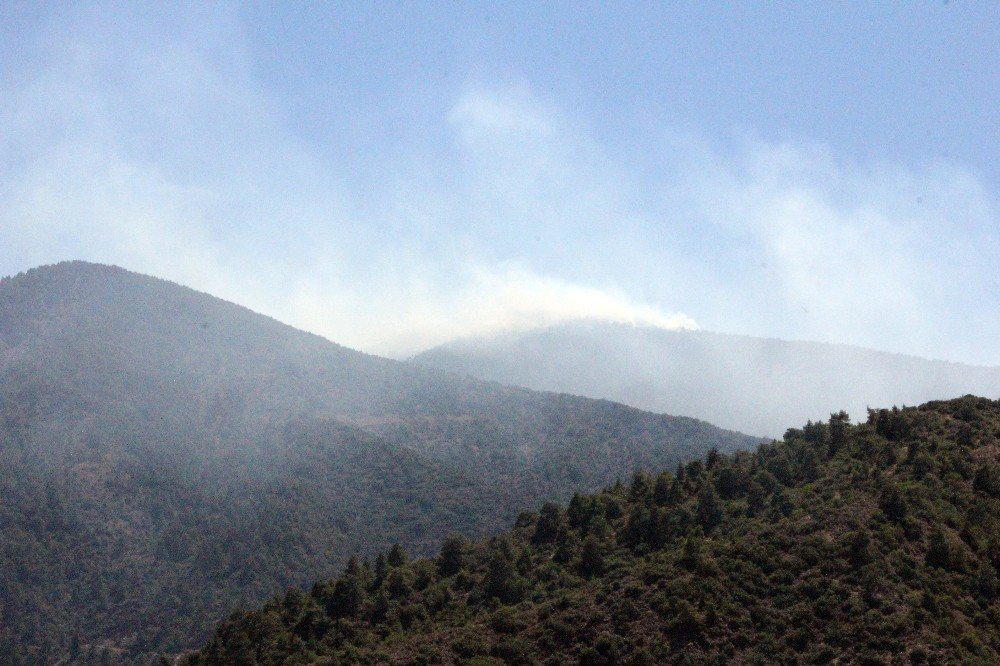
point(396, 179)
point(579, 323)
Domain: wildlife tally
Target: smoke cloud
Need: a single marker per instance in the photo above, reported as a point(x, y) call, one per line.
point(154, 142)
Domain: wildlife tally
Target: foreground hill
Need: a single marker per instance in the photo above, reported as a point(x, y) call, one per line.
point(166, 456)
point(753, 385)
point(875, 543)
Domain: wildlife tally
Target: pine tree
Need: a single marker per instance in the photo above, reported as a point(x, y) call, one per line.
point(839, 424)
point(987, 480)
point(661, 491)
point(728, 483)
point(709, 511)
point(499, 568)
point(591, 558)
point(452, 557)
point(893, 503)
point(397, 556)
point(347, 596)
point(578, 511)
point(381, 571)
point(781, 504)
point(549, 520)
point(756, 497)
point(692, 556)
point(940, 550)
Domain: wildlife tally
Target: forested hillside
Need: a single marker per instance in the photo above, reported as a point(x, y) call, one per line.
point(126, 555)
point(876, 543)
point(166, 456)
point(753, 385)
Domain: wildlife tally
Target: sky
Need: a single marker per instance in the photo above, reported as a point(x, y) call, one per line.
point(395, 175)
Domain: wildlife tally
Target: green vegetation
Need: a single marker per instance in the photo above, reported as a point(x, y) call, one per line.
point(166, 457)
point(126, 559)
point(876, 543)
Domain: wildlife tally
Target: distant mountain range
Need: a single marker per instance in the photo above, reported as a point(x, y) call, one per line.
point(874, 543)
point(755, 385)
point(166, 456)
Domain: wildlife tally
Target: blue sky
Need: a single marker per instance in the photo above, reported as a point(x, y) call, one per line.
point(393, 176)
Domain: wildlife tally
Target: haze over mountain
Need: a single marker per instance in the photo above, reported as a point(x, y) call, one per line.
point(393, 180)
point(874, 544)
point(371, 181)
point(166, 456)
point(755, 385)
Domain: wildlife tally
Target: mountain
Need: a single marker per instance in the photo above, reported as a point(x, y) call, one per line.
point(166, 456)
point(876, 543)
point(754, 385)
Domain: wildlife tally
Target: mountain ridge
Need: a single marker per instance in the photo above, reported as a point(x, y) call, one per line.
point(758, 385)
point(150, 432)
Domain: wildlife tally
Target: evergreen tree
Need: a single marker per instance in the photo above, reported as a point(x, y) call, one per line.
point(641, 486)
point(940, 552)
point(566, 546)
point(638, 527)
point(709, 511)
point(756, 497)
point(781, 504)
point(987, 480)
point(381, 571)
point(859, 548)
point(397, 556)
point(499, 569)
point(728, 483)
point(452, 557)
point(692, 555)
point(661, 491)
point(549, 520)
point(810, 465)
point(591, 558)
point(578, 511)
point(893, 503)
point(347, 596)
point(677, 492)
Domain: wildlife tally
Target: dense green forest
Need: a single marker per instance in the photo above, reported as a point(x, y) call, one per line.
point(166, 457)
point(875, 543)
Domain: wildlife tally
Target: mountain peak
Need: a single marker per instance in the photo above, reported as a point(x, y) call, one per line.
point(156, 438)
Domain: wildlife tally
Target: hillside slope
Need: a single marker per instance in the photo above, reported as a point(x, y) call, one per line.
point(749, 384)
point(121, 347)
point(135, 553)
point(876, 543)
point(167, 456)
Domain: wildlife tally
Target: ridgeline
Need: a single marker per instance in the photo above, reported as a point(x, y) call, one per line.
point(875, 543)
